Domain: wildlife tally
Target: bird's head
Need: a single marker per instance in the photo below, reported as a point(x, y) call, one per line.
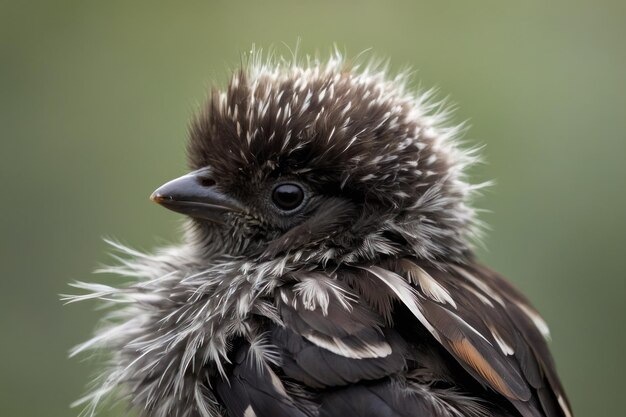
point(324, 162)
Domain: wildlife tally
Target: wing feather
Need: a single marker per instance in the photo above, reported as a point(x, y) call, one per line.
point(487, 325)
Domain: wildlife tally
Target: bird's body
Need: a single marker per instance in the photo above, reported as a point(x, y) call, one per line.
point(327, 269)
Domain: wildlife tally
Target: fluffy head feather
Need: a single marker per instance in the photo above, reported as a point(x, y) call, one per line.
point(345, 130)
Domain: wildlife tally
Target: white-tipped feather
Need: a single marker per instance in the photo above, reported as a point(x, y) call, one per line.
point(564, 407)
point(429, 286)
point(537, 320)
point(379, 350)
point(404, 292)
point(502, 344)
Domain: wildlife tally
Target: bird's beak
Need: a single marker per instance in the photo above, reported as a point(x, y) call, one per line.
point(196, 195)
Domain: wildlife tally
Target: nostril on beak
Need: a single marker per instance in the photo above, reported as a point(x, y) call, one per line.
point(207, 181)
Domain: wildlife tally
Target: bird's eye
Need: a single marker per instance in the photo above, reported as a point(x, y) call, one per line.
point(288, 196)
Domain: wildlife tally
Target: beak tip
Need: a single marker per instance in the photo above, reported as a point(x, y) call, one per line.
point(157, 197)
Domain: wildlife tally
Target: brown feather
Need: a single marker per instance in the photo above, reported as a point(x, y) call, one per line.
point(470, 355)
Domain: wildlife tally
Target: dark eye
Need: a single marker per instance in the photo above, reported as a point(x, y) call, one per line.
point(288, 196)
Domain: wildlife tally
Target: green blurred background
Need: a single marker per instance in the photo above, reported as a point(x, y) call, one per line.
point(94, 103)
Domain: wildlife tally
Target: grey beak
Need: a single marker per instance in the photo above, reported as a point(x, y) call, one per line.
point(197, 196)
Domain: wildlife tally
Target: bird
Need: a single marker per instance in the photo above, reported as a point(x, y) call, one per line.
point(327, 266)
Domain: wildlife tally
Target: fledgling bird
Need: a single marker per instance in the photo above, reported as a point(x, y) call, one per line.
point(327, 267)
